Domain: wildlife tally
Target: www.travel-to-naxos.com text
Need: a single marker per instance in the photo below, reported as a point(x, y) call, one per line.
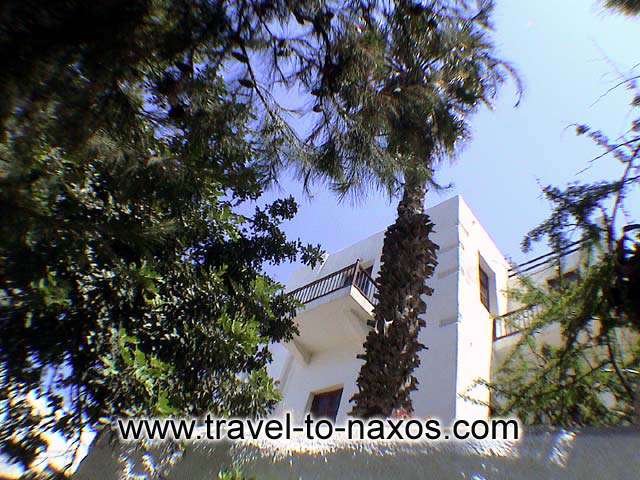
point(235, 429)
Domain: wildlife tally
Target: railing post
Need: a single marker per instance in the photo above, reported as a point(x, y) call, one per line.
point(494, 329)
point(355, 273)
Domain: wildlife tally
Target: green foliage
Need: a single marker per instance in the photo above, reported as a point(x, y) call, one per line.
point(130, 284)
point(627, 7)
point(592, 376)
point(405, 83)
point(233, 475)
point(577, 382)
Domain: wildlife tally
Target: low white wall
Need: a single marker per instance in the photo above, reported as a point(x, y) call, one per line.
point(551, 454)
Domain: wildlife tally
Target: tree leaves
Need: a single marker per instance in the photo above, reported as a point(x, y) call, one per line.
point(130, 284)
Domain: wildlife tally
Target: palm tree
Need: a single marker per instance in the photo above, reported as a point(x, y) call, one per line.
point(397, 103)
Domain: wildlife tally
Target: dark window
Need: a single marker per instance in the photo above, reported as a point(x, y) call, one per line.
point(484, 288)
point(567, 278)
point(325, 404)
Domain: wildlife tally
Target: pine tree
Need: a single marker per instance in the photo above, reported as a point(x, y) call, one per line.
point(591, 377)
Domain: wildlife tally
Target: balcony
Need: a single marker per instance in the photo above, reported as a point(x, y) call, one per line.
point(335, 311)
point(514, 322)
point(353, 276)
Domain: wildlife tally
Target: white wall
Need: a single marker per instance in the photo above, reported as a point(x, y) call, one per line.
point(436, 394)
point(325, 371)
point(475, 340)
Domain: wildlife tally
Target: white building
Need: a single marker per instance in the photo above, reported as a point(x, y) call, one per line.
point(465, 333)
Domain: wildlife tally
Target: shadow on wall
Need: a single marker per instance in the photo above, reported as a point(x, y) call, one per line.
point(550, 454)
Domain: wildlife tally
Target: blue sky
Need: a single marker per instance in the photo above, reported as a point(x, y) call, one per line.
point(569, 53)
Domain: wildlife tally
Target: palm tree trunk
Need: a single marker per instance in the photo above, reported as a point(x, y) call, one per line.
point(392, 348)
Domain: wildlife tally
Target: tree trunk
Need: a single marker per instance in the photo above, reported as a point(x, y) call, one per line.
point(392, 348)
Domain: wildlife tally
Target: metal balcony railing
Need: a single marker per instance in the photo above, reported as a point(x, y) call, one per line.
point(514, 322)
point(353, 275)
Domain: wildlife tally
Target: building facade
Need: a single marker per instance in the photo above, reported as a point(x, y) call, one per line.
point(466, 334)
